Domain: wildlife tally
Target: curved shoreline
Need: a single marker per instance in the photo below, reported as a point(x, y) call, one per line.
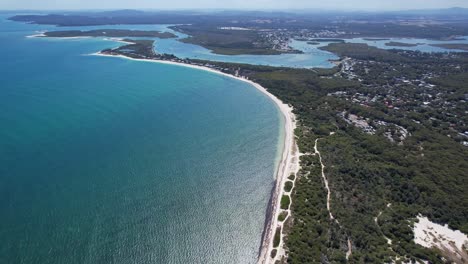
point(288, 164)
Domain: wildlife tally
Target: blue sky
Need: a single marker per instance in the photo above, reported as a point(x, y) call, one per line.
point(232, 4)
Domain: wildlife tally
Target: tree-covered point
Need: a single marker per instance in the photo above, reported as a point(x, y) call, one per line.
point(139, 49)
point(363, 51)
point(400, 44)
point(230, 42)
point(457, 46)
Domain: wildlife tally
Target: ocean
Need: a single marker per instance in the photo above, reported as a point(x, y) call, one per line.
point(107, 160)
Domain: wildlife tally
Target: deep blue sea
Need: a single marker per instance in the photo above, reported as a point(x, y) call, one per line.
point(107, 160)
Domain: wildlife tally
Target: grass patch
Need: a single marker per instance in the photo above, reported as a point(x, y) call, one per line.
point(282, 216)
point(277, 238)
point(285, 201)
point(288, 186)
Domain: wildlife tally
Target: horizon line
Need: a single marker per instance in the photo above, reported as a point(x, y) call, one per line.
point(283, 10)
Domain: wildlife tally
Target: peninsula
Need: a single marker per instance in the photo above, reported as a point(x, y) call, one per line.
point(455, 46)
point(112, 33)
point(399, 44)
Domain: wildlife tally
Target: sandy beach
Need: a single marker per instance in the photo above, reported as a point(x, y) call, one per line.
point(288, 164)
point(38, 35)
point(43, 35)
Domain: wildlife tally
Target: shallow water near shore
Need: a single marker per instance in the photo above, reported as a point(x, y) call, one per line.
point(107, 160)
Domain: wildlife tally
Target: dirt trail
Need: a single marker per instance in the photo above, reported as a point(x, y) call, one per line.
point(327, 187)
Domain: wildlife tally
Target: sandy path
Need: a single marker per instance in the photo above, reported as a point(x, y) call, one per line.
point(325, 180)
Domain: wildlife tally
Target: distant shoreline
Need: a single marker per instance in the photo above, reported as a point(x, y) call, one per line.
point(289, 163)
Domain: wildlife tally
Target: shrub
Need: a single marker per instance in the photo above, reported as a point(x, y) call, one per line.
point(277, 238)
point(282, 216)
point(285, 201)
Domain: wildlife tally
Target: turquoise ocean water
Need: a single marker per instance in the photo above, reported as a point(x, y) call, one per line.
point(107, 160)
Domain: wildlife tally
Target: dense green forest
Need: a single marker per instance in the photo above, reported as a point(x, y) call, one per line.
point(368, 174)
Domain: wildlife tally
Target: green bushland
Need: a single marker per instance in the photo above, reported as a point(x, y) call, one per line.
point(277, 238)
point(288, 186)
point(367, 172)
point(458, 46)
point(228, 42)
point(292, 177)
point(285, 201)
point(400, 44)
point(273, 253)
point(282, 216)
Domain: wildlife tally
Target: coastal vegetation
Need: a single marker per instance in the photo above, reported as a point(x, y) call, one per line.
point(273, 253)
point(400, 44)
point(363, 51)
point(457, 46)
point(138, 49)
point(282, 216)
point(329, 40)
point(367, 172)
point(285, 201)
point(375, 39)
point(229, 42)
point(277, 238)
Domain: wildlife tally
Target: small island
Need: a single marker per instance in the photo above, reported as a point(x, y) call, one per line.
point(400, 44)
point(112, 33)
point(329, 40)
point(375, 39)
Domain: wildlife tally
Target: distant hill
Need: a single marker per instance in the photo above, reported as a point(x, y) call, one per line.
point(120, 13)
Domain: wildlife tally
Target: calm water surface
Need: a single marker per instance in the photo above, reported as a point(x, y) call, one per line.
point(106, 160)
